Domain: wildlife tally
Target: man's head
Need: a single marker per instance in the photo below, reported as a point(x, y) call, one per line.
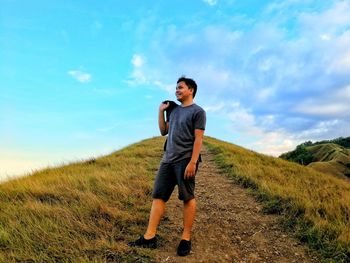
point(188, 83)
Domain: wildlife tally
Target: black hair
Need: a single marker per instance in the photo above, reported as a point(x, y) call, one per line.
point(190, 83)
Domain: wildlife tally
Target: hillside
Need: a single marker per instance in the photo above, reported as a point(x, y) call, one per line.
point(316, 206)
point(330, 158)
point(326, 156)
point(88, 211)
point(82, 211)
point(344, 142)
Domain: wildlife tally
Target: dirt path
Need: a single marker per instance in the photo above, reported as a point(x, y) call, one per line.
point(229, 226)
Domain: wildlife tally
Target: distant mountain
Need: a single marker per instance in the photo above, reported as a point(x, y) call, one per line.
point(345, 142)
point(329, 156)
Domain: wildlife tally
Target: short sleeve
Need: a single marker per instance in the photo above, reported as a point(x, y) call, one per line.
point(200, 120)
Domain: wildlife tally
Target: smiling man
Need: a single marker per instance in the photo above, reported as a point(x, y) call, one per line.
point(185, 125)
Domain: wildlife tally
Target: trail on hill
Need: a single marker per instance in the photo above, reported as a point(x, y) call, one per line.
point(229, 226)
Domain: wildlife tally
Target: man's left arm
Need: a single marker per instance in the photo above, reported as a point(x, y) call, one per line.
point(191, 167)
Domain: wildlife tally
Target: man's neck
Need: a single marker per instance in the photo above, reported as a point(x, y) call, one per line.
point(186, 103)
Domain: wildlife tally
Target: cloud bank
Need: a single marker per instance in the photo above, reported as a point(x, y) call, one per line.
point(281, 79)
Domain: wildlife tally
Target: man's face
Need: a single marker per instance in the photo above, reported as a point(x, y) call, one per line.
point(182, 91)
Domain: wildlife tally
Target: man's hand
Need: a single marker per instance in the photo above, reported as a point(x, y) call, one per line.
point(163, 126)
point(164, 106)
point(190, 170)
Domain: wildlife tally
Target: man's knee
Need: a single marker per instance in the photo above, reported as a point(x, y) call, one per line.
point(159, 201)
point(190, 201)
point(158, 206)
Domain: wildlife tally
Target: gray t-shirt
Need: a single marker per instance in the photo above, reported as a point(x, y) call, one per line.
point(182, 123)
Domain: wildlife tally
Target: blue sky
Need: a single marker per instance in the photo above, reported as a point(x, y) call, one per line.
point(85, 78)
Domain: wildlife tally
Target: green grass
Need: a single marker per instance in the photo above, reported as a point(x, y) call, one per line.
point(314, 205)
point(81, 212)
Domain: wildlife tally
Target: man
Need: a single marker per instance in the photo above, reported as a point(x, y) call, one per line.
point(185, 127)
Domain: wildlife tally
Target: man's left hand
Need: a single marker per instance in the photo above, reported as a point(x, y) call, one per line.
point(190, 170)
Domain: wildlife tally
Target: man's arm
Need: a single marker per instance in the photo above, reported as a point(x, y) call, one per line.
point(163, 126)
point(197, 145)
point(191, 167)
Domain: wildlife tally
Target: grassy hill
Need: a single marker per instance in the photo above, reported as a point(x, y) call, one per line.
point(314, 205)
point(330, 158)
point(326, 156)
point(82, 212)
point(87, 211)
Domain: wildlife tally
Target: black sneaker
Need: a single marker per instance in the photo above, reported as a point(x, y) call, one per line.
point(145, 243)
point(184, 248)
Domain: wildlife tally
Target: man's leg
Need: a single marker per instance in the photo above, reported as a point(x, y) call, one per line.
point(149, 240)
point(163, 187)
point(157, 211)
point(189, 215)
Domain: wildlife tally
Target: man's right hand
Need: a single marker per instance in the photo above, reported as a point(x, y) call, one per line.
point(163, 106)
point(163, 126)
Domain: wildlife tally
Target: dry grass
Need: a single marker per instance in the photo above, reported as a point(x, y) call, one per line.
point(86, 212)
point(82, 212)
point(331, 158)
point(329, 151)
point(315, 205)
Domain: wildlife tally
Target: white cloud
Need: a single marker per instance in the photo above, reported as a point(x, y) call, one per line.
point(325, 129)
point(80, 76)
point(214, 108)
point(271, 143)
point(137, 61)
point(340, 60)
point(325, 37)
point(277, 79)
point(265, 93)
point(210, 2)
point(142, 75)
point(170, 88)
point(275, 143)
point(331, 21)
point(137, 76)
point(336, 104)
point(242, 118)
point(331, 109)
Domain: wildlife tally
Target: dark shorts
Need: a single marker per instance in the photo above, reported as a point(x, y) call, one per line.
point(172, 174)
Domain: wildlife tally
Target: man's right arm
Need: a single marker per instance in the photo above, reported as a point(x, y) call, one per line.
point(163, 126)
